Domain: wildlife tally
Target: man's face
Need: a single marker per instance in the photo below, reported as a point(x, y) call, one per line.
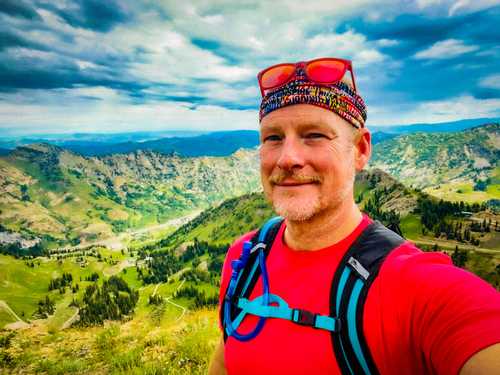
point(307, 161)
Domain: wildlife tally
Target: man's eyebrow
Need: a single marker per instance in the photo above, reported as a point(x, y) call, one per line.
point(301, 125)
point(271, 129)
point(305, 126)
point(316, 125)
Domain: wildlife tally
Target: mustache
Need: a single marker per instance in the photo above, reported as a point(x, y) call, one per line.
point(281, 175)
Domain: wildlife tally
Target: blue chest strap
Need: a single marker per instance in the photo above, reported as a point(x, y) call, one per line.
point(281, 310)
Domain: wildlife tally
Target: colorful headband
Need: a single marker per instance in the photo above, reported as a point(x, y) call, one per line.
point(337, 97)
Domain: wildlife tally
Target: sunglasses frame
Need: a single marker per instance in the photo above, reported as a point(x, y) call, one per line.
point(304, 64)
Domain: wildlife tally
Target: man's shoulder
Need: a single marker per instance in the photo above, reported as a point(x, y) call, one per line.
point(410, 268)
point(237, 245)
point(408, 259)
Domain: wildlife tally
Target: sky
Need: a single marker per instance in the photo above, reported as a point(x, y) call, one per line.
point(147, 65)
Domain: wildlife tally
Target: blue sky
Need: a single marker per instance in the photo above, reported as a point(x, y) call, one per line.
point(117, 65)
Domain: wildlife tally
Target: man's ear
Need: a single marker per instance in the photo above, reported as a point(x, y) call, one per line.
point(363, 148)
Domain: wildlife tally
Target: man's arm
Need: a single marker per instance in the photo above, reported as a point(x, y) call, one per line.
point(217, 365)
point(484, 362)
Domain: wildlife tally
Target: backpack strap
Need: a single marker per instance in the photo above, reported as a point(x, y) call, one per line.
point(248, 277)
point(355, 274)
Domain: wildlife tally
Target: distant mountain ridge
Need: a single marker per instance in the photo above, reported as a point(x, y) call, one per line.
point(11, 142)
point(212, 144)
point(196, 143)
point(440, 127)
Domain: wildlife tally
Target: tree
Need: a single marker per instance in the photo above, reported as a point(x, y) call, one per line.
point(459, 257)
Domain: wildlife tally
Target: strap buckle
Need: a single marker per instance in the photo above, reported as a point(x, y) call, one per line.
point(304, 317)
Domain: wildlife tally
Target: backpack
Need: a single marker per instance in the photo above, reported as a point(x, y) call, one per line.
point(355, 274)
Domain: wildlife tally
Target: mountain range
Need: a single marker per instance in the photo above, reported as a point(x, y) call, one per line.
point(440, 127)
point(186, 143)
point(61, 196)
point(49, 191)
point(447, 165)
point(212, 144)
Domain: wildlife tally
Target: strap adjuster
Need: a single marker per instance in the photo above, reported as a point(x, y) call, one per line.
point(304, 317)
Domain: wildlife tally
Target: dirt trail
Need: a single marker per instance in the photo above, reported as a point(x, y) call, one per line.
point(450, 245)
point(177, 305)
point(156, 289)
point(119, 267)
point(71, 320)
point(19, 323)
point(10, 311)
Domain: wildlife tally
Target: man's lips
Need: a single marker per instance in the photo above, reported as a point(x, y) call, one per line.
point(294, 183)
point(281, 178)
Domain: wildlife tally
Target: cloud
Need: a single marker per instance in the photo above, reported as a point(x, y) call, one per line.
point(450, 109)
point(31, 68)
point(113, 112)
point(470, 6)
point(453, 6)
point(91, 14)
point(18, 8)
point(491, 82)
point(445, 49)
point(348, 44)
point(427, 3)
point(10, 39)
point(117, 64)
point(386, 42)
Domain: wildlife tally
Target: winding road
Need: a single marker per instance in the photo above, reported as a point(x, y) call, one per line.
point(119, 241)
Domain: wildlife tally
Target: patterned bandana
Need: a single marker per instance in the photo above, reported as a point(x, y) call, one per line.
point(338, 97)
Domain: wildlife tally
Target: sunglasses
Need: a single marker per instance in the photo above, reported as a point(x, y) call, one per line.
point(326, 70)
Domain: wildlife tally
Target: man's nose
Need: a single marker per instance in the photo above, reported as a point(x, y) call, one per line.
point(291, 155)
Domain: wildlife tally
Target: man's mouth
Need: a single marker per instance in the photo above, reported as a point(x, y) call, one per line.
point(293, 183)
point(283, 179)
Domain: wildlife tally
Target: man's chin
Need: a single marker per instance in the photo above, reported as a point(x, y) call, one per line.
point(292, 215)
point(296, 209)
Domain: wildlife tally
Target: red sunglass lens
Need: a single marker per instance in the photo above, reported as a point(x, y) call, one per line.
point(326, 71)
point(276, 76)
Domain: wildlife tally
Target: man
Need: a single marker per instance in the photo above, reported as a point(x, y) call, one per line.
point(422, 315)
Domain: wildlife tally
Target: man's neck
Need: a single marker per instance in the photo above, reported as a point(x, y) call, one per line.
point(322, 230)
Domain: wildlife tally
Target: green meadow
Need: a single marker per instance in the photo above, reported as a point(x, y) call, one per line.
point(170, 338)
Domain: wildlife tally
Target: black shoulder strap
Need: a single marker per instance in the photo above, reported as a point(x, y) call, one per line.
point(250, 274)
point(356, 272)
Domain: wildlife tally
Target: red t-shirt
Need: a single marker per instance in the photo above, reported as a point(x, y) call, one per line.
point(422, 314)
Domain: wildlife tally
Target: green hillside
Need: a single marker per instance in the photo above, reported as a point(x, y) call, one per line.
point(453, 166)
point(61, 197)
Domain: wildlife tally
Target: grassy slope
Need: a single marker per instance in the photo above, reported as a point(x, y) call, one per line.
point(73, 198)
point(23, 286)
point(223, 224)
point(159, 339)
point(444, 163)
point(152, 343)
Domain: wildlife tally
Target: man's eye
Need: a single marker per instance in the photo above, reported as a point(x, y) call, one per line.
point(315, 135)
point(272, 138)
